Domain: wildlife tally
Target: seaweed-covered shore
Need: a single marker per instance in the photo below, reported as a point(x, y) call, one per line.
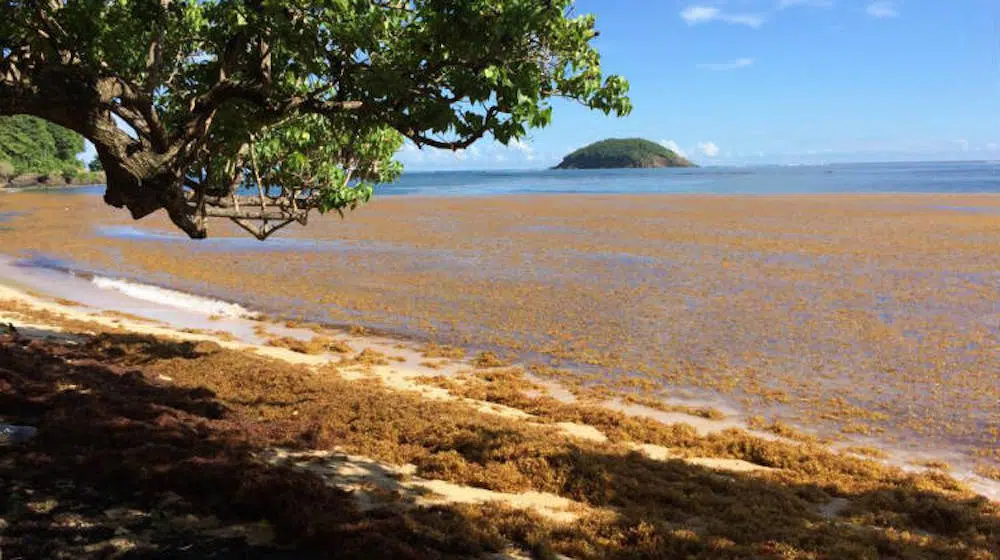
point(855, 317)
point(155, 442)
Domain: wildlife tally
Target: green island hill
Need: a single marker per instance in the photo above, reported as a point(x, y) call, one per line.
point(615, 153)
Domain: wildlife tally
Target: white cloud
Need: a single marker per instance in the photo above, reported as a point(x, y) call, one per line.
point(731, 65)
point(694, 14)
point(782, 4)
point(708, 148)
point(410, 152)
point(520, 146)
point(467, 154)
point(699, 14)
point(672, 146)
point(521, 150)
point(750, 20)
point(485, 154)
point(882, 9)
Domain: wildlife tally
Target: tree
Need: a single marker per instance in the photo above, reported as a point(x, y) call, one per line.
point(262, 110)
point(95, 165)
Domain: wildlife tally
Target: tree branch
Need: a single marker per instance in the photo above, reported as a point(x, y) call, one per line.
point(421, 140)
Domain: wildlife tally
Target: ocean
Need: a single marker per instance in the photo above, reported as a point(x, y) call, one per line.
point(912, 177)
point(908, 177)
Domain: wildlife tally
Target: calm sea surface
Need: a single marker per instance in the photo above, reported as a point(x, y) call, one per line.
point(908, 177)
point(929, 177)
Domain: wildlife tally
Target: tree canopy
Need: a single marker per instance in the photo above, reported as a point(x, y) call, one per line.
point(623, 153)
point(32, 145)
point(262, 110)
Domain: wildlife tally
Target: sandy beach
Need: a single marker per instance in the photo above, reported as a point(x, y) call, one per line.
point(426, 449)
point(408, 432)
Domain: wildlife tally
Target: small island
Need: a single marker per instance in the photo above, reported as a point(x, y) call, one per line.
point(616, 153)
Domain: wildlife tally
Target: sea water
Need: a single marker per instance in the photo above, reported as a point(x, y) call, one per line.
point(914, 177)
point(847, 178)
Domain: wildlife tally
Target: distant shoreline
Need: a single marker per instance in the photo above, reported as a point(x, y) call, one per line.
point(879, 178)
point(53, 180)
point(713, 166)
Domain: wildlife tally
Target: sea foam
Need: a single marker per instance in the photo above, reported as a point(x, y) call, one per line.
point(172, 298)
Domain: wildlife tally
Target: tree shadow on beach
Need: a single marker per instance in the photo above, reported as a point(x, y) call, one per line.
point(676, 509)
point(127, 464)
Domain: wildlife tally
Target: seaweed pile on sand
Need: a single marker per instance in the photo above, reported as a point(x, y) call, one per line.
point(152, 446)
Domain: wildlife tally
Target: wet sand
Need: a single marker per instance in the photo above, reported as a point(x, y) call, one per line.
point(859, 316)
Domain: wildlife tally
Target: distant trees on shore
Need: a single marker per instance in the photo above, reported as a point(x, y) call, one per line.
point(32, 145)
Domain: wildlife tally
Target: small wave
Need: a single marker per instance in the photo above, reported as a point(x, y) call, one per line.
point(172, 298)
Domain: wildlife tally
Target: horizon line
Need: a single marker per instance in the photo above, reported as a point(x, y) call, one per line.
point(710, 165)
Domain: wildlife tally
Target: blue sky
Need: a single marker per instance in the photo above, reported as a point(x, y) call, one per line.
point(743, 82)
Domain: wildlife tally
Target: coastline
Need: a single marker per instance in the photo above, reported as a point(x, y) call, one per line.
point(242, 329)
point(810, 311)
point(462, 419)
point(400, 386)
point(41, 181)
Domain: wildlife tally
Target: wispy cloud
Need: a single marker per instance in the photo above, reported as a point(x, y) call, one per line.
point(672, 146)
point(883, 9)
point(527, 152)
point(520, 146)
point(411, 152)
point(782, 4)
point(695, 14)
point(731, 65)
point(709, 149)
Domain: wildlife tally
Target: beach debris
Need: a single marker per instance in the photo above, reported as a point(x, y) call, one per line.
point(12, 433)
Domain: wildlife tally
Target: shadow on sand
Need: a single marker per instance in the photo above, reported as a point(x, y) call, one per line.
point(126, 464)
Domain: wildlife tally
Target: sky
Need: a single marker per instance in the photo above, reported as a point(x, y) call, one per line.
point(751, 82)
point(745, 82)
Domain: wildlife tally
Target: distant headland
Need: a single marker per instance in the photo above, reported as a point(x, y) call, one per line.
point(37, 153)
point(615, 153)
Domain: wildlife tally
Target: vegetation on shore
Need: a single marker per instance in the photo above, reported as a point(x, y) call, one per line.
point(155, 446)
point(623, 153)
point(35, 152)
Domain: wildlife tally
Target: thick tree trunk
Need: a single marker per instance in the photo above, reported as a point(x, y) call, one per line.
point(144, 194)
point(138, 177)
